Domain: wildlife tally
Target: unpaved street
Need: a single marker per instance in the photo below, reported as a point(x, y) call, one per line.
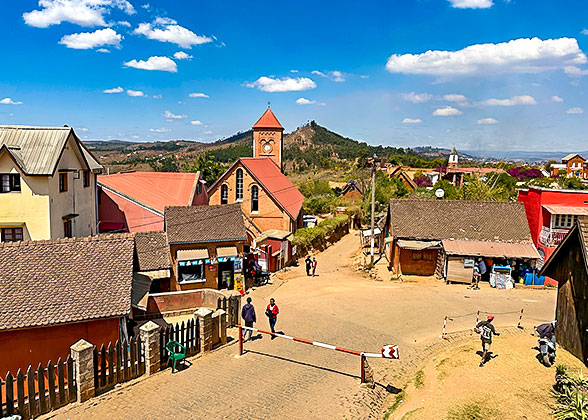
point(288, 380)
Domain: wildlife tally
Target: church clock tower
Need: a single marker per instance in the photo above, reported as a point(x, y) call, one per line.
point(268, 138)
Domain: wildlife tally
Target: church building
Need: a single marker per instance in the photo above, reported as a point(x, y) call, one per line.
point(267, 196)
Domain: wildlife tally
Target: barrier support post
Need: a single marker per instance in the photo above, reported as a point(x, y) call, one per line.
point(478, 317)
point(363, 368)
point(520, 319)
point(240, 341)
point(444, 326)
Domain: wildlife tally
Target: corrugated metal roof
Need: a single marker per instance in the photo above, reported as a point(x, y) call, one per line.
point(490, 249)
point(417, 245)
point(37, 150)
point(558, 209)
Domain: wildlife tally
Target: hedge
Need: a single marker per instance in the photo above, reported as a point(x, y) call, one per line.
point(305, 238)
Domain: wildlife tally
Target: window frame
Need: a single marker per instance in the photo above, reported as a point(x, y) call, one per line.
point(13, 234)
point(14, 182)
point(254, 199)
point(63, 182)
point(239, 184)
point(201, 264)
point(224, 194)
point(86, 177)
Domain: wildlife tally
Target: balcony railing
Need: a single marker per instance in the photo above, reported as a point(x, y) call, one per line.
point(552, 237)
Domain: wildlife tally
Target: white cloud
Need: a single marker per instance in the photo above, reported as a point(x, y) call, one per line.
point(471, 4)
point(146, 6)
point(159, 130)
point(487, 121)
point(208, 132)
point(80, 12)
point(198, 95)
point(412, 121)
point(557, 99)
point(167, 30)
point(454, 97)
point(517, 56)
point(447, 111)
point(575, 110)
point(334, 75)
point(87, 40)
point(584, 31)
point(196, 122)
point(9, 101)
point(83, 129)
point(103, 50)
point(515, 100)
point(124, 23)
point(137, 93)
point(364, 76)
point(417, 97)
point(181, 55)
point(293, 71)
point(154, 63)
point(575, 71)
point(114, 90)
point(171, 116)
point(286, 84)
point(304, 101)
point(157, 96)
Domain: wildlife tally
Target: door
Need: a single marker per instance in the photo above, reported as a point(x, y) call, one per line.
point(226, 275)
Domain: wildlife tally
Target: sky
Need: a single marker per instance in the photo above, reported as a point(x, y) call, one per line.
point(477, 74)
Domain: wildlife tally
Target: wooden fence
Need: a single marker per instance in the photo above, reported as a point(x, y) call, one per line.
point(231, 307)
point(119, 363)
point(38, 391)
point(187, 334)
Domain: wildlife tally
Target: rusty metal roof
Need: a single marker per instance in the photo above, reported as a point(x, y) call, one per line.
point(558, 209)
point(490, 249)
point(37, 150)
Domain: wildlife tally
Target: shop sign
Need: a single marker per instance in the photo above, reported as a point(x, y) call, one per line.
point(189, 263)
point(212, 268)
point(238, 265)
point(239, 283)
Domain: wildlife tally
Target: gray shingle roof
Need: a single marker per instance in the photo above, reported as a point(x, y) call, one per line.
point(447, 219)
point(37, 150)
point(152, 251)
point(185, 224)
point(62, 281)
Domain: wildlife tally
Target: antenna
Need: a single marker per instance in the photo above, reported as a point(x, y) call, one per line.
point(268, 103)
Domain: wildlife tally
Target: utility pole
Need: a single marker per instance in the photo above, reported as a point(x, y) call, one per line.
point(373, 208)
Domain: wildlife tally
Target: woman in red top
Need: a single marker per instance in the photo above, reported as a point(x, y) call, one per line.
point(272, 312)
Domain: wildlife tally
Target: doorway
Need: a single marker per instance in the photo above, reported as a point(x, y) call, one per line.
point(226, 277)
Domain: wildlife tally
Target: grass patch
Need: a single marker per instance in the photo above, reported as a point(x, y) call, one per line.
point(398, 399)
point(473, 411)
point(411, 414)
point(419, 379)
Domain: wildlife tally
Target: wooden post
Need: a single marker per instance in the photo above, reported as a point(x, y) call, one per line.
point(240, 341)
point(362, 368)
point(520, 319)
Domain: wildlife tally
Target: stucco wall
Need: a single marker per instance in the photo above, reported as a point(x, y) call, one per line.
point(269, 216)
point(30, 206)
point(76, 200)
point(21, 348)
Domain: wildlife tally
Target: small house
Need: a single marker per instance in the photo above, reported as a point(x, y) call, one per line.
point(352, 191)
point(569, 266)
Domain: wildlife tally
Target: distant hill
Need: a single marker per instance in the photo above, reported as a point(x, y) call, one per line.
point(309, 146)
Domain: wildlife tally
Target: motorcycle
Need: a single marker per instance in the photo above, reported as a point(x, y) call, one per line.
point(546, 351)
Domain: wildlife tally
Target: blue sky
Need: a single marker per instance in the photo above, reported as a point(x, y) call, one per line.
point(498, 75)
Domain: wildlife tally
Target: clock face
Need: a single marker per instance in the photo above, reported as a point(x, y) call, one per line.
point(267, 148)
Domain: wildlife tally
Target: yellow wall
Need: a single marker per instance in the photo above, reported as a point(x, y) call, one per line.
point(30, 206)
point(40, 205)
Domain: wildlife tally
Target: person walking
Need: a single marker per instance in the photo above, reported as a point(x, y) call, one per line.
point(308, 265)
point(313, 266)
point(486, 330)
point(248, 315)
point(272, 312)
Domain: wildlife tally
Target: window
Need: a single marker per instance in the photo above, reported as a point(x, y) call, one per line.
point(86, 179)
point(11, 234)
point(254, 198)
point(191, 271)
point(224, 194)
point(62, 181)
point(564, 221)
point(9, 183)
point(239, 190)
point(416, 255)
point(67, 229)
point(199, 188)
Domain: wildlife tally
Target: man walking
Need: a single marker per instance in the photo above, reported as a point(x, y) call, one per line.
point(313, 266)
point(308, 265)
point(272, 312)
point(486, 330)
point(248, 315)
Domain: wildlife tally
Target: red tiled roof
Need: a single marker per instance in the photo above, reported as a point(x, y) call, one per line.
point(276, 184)
point(153, 189)
point(268, 120)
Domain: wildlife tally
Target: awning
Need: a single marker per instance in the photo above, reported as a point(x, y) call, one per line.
point(490, 249)
point(70, 216)
point(11, 224)
point(192, 254)
point(226, 251)
point(558, 209)
point(417, 245)
point(368, 232)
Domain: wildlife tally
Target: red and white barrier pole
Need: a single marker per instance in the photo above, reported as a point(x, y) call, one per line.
point(520, 319)
point(477, 317)
point(240, 341)
point(444, 327)
point(362, 368)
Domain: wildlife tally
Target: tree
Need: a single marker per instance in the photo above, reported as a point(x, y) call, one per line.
point(210, 170)
point(167, 164)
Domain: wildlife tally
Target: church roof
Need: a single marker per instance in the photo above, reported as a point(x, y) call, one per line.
point(268, 120)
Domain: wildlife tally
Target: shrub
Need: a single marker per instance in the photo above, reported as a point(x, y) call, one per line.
point(305, 238)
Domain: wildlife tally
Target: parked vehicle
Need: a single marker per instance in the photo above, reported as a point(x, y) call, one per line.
point(261, 278)
point(546, 350)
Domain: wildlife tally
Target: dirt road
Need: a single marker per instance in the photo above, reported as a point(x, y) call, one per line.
point(283, 379)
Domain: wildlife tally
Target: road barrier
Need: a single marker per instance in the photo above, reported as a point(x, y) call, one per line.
point(387, 352)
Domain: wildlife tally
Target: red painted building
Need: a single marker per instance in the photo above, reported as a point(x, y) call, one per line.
point(135, 201)
point(551, 214)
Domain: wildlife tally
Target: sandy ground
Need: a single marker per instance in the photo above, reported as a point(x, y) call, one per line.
point(512, 386)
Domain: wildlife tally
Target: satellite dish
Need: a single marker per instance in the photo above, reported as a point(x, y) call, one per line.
point(439, 193)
